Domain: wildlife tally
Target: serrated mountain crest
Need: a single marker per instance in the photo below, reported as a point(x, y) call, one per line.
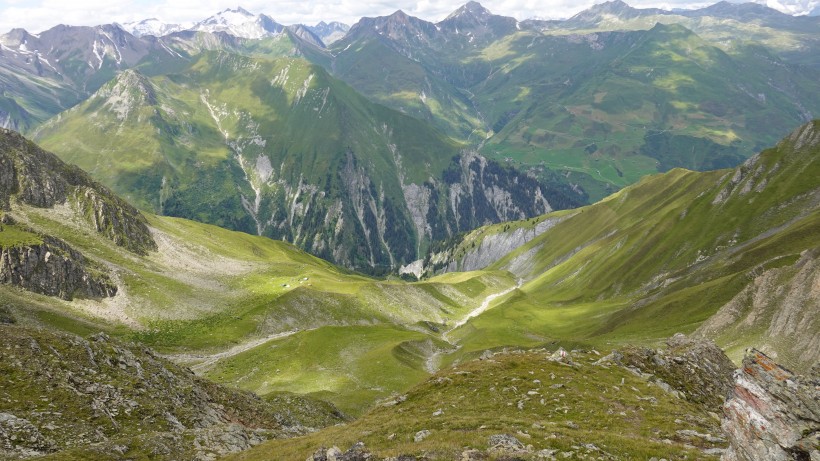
point(399, 27)
point(329, 32)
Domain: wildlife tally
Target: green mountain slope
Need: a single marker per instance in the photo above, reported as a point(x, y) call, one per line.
point(668, 253)
point(210, 298)
point(277, 147)
point(682, 251)
point(44, 74)
point(662, 98)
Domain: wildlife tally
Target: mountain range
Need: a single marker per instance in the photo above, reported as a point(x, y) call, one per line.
point(464, 111)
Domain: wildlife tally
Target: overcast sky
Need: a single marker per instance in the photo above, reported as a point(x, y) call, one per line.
point(38, 15)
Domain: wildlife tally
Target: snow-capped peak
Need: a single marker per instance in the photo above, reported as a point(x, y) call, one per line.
point(152, 26)
point(240, 23)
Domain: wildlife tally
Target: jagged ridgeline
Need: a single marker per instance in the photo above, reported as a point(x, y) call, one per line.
point(277, 147)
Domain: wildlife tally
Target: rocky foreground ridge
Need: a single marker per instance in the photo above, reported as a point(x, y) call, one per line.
point(98, 398)
point(31, 176)
point(634, 403)
point(542, 404)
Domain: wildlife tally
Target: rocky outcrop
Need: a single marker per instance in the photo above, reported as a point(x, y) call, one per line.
point(114, 219)
point(694, 369)
point(38, 178)
point(773, 414)
point(26, 439)
point(98, 398)
point(54, 268)
point(354, 221)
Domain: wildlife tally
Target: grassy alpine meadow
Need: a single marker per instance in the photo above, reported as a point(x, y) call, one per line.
point(546, 405)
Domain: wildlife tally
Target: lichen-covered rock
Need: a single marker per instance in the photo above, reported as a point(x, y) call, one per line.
point(695, 369)
point(54, 268)
point(6, 317)
point(38, 178)
point(773, 415)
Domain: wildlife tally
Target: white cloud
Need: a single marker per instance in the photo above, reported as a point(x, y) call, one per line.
point(38, 15)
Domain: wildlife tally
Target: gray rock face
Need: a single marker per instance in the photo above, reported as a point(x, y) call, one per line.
point(53, 268)
point(773, 415)
point(490, 248)
point(38, 178)
point(784, 300)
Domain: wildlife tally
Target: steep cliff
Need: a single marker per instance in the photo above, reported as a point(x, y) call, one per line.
point(50, 267)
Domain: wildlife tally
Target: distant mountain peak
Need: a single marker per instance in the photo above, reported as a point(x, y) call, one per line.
point(329, 32)
point(399, 14)
point(470, 8)
point(151, 26)
point(614, 7)
point(742, 8)
point(238, 10)
point(239, 22)
point(15, 37)
point(478, 23)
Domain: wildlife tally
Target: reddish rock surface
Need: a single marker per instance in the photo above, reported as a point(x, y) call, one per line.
point(773, 414)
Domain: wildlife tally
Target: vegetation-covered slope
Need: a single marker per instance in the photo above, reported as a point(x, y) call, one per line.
point(662, 256)
point(277, 147)
point(206, 295)
point(62, 394)
point(605, 98)
point(666, 254)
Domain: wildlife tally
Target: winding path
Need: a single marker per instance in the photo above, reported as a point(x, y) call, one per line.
point(480, 309)
point(209, 360)
point(431, 364)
